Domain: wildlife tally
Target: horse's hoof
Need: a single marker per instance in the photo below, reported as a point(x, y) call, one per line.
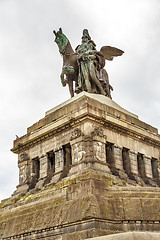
point(63, 84)
point(78, 90)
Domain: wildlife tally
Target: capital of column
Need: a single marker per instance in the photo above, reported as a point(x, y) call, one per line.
point(58, 149)
point(43, 156)
point(147, 157)
point(133, 152)
point(117, 146)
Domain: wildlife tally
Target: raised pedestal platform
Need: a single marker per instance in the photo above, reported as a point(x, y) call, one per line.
point(88, 168)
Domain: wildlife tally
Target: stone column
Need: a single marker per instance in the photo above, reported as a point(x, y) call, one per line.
point(88, 151)
point(148, 170)
point(99, 150)
point(155, 170)
point(117, 154)
point(43, 171)
point(43, 166)
point(118, 164)
point(148, 167)
point(24, 173)
point(59, 164)
point(134, 167)
point(133, 161)
point(77, 151)
point(81, 151)
point(99, 153)
point(59, 160)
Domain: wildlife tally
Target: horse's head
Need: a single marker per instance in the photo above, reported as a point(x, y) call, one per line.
point(61, 41)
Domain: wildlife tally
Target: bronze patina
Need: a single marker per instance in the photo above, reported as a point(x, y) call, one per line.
point(85, 65)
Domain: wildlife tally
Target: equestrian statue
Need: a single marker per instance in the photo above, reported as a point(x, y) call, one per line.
point(85, 65)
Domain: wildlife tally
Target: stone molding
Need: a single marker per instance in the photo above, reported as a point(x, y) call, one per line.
point(85, 225)
point(110, 125)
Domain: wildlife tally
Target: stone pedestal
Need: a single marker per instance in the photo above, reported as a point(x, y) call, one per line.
point(88, 168)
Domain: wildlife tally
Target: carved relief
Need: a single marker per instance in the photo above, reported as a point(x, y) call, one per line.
point(99, 151)
point(76, 133)
point(98, 131)
point(23, 157)
point(23, 176)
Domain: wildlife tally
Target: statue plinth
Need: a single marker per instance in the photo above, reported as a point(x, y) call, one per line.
point(88, 168)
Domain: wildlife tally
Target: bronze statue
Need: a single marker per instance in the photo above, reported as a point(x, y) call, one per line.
point(70, 64)
point(88, 68)
point(85, 66)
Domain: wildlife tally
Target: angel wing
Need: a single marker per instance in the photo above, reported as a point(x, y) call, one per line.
point(110, 52)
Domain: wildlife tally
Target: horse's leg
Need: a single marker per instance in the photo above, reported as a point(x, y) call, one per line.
point(70, 84)
point(69, 72)
point(63, 81)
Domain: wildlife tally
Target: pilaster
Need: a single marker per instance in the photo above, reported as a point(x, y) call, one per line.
point(43, 170)
point(88, 151)
point(148, 170)
point(118, 164)
point(134, 167)
point(59, 164)
point(24, 173)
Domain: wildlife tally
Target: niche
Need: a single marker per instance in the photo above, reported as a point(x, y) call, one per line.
point(67, 155)
point(51, 162)
point(67, 158)
point(110, 157)
point(35, 171)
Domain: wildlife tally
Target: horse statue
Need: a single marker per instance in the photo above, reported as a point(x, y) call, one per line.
point(70, 64)
point(70, 67)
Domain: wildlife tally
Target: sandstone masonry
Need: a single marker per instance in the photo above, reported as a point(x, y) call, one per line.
point(88, 168)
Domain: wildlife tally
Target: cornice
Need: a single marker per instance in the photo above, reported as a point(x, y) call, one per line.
point(73, 122)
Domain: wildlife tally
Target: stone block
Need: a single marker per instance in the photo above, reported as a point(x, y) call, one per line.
point(132, 209)
point(114, 209)
point(22, 188)
point(92, 144)
point(151, 208)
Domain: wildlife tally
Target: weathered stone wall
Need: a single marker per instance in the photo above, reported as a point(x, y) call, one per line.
point(90, 204)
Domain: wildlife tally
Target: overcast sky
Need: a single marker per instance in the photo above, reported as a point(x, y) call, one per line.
point(30, 63)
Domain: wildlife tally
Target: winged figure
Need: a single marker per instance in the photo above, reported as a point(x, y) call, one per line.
point(85, 65)
point(110, 52)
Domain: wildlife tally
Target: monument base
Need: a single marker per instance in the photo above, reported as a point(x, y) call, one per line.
point(88, 168)
point(87, 205)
